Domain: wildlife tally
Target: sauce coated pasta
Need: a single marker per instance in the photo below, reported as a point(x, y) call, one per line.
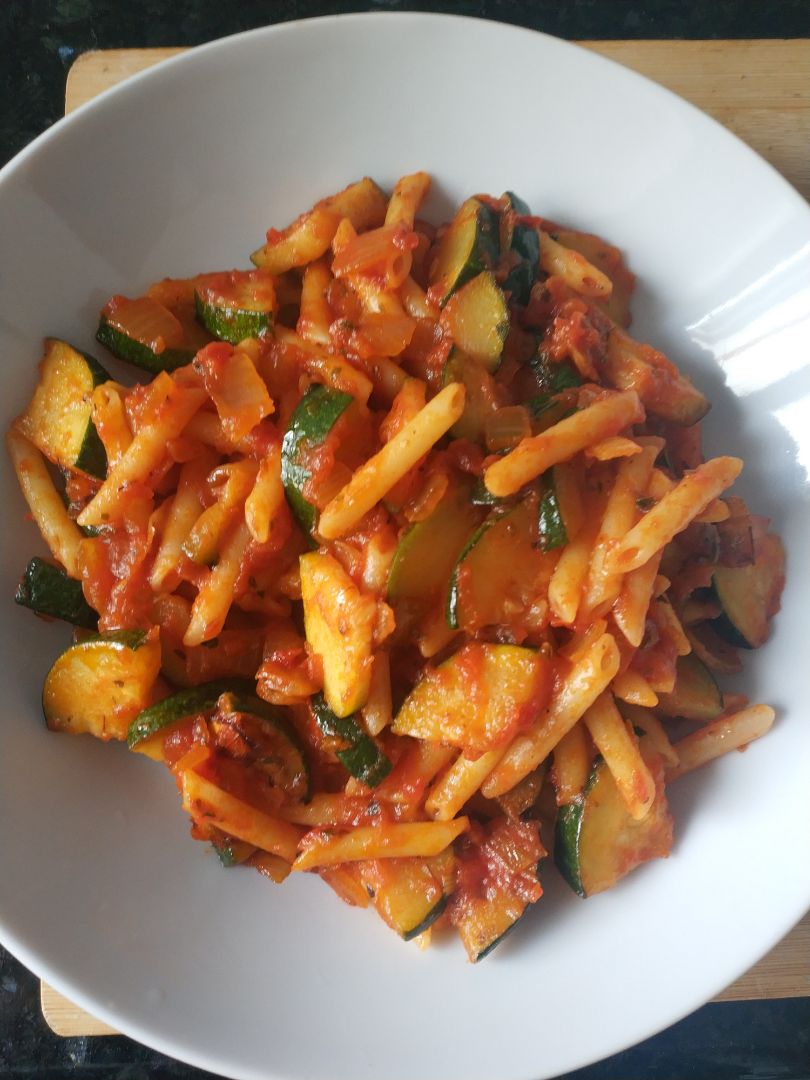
point(405, 560)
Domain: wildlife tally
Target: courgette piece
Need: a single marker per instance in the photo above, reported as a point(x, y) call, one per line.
point(58, 420)
point(266, 741)
point(179, 707)
point(597, 841)
point(552, 378)
point(484, 912)
point(477, 318)
point(496, 570)
point(478, 698)
point(469, 246)
point(339, 621)
point(551, 527)
point(750, 595)
point(524, 242)
point(696, 695)
point(47, 590)
point(236, 305)
point(362, 758)
point(310, 424)
point(410, 894)
point(427, 552)
point(231, 852)
point(145, 333)
point(99, 685)
point(479, 394)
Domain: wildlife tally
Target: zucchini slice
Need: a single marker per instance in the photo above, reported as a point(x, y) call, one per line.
point(477, 699)
point(523, 242)
point(494, 578)
point(696, 695)
point(232, 852)
point(663, 389)
point(427, 552)
point(58, 420)
point(47, 590)
point(410, 894)
point(98, 686)
point(264, 740)
point(477, 317)
point(750, 595)
point(310, 424)
point(550, 521)
point(597, 841)
point(479, 394)
point(236, 305)
point(361, 758)
point(484, 912)
point(339, 621)
point(145, 333)
point(469, 246)
point(179, 707)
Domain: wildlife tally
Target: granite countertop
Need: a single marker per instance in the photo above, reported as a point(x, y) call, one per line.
point(39, 40)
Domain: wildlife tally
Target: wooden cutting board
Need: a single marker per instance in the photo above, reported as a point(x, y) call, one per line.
point(758, 89)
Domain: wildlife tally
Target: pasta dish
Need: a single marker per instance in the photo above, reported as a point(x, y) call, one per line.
point(404, 558)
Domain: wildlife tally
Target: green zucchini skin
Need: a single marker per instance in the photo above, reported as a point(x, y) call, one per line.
point(138, 354)
point(452, 609)
point(59, 417)
point(597, 841)
point(232, 324)
point(566, 838)
point(750, 596)
point(362, 759)
point(469, 247)
point(428, 921)
point(524, 242)
point(495, 942)
point(126, 639)
point(551, 526)
point(92, 457)
point(184, 703)
point(696, 695)
point(47, 590)
point(314, 417)
point(291, 753)
point(232, 852)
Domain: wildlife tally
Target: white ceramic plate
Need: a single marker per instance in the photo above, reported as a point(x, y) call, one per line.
point(180, 170)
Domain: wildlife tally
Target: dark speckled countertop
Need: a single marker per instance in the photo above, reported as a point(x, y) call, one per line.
point(39, 39)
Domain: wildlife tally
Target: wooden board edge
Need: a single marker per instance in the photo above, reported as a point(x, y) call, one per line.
point(66, 1019)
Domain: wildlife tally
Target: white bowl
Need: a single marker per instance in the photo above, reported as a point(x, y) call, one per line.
point(182, 169)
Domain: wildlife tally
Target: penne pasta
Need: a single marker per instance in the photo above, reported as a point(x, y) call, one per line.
point(573, 268)
point(58, 529)
point(577, 691)
point(212, 602)
point(379, 474)
point(214, 807)
point(562, 441)
point(618, 745)
point(397, 841)
point(674, 512)
point(728, 732)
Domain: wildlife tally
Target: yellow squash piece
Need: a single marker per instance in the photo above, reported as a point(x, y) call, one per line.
point(339, 622)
